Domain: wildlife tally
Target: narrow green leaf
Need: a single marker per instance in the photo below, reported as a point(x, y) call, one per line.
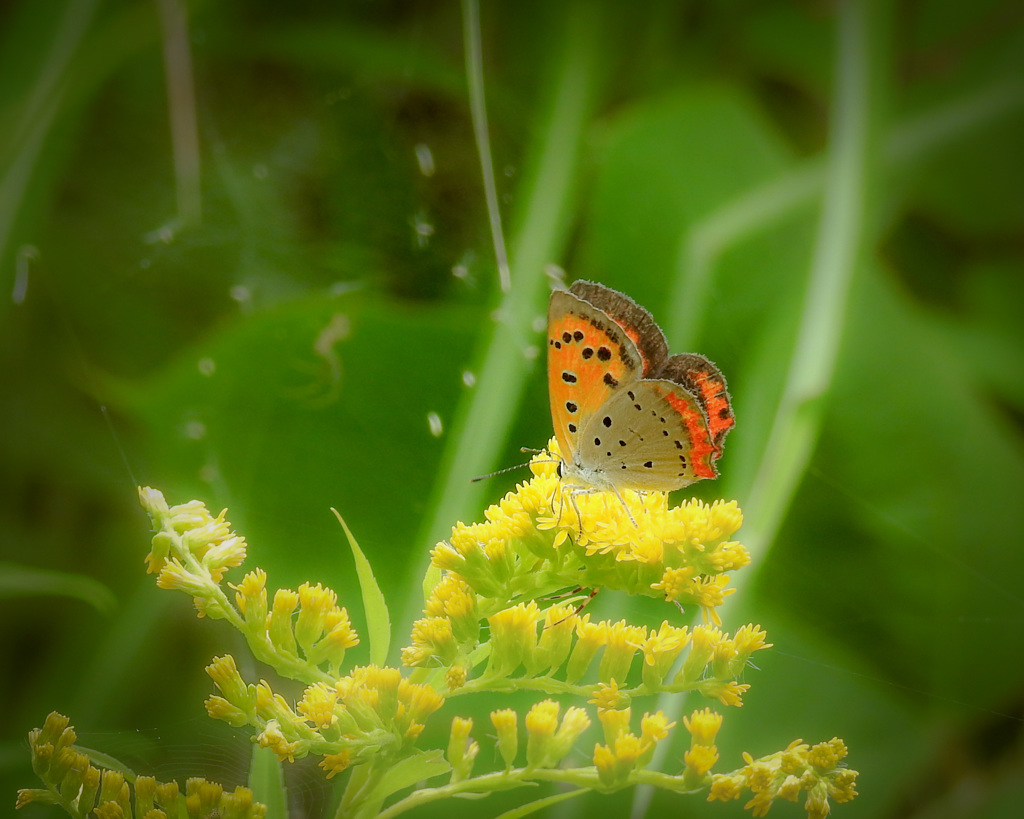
point(25, 581)
point(540, 804)
point(407, 772)
point(267, 781)
point(378, 620)
point(102, 760)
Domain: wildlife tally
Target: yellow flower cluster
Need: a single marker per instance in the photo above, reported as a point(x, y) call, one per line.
point(544, 537)
point(568, 644)
point(74, 783)
point(369, 712)
point(191, 550)
point(816, 770)
point(486, 628)
point(624, 752)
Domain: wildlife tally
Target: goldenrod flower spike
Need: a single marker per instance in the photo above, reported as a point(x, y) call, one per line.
point(82, 789)
point(498, 619)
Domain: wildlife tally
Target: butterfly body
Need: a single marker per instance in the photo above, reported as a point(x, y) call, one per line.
point(626, 414)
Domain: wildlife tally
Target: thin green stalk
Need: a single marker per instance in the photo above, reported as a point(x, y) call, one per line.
point(550, 183)
point(767, 205)
point(181, 103)
point(39, 114)
point(481, 134)
point(842, 240)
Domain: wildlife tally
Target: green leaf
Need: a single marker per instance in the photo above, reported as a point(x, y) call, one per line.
point(540, 804)
point(25, 581)
point(102, 760)
point(378, 621)
point(267, 781)
point(407, 772)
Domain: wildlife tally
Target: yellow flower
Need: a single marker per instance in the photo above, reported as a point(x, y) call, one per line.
point(541, 724)
point(607, 697)
point(700, 759)
point(455, 677)
point(272, 737)
point(251, 596)
point(174, 575)
point(513, 637)
point(655, 727)
point(420, 699)
point(660, 649)
point(826, 755)
point(621, 641)
point(453, 598)
point(574, 723)
point(709, 593)
point(340, 633)
point(542, 719)
point(615, 723)
point(703, 726)
point(226, 554)
point(317, 706)
point(841, 785)
point(590, 637)
point(628, 749)
point(760, 774)
point(604, 761)
point(790, 788)
point(220, 708)
point(506, 724)
point(433, 643)
point(280, 623)
point(725, 787)
point(462, 750)
point(722, 658)
point(334, 764)
point(224, 673)
point(703, 640)
point(675, 581)
point(555, 639)
point(728, 557)
point(315, 602)
point(727, 693)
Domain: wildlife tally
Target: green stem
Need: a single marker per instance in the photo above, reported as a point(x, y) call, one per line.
point(541, 230)
point(584, 778)
point(843, 241)
point(481, 133)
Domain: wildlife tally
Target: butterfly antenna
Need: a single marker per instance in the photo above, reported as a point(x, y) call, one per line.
point(497, 472)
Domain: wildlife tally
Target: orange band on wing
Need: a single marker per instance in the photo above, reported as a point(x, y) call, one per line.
point(701, 447)
point(716, 401)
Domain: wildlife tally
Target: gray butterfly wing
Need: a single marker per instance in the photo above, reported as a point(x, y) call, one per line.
point(650, 436)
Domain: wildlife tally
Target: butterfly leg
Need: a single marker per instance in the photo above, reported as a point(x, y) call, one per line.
point(622, 500)
point(581, 606)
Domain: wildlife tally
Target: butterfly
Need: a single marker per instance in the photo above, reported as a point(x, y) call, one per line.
point(626, 414)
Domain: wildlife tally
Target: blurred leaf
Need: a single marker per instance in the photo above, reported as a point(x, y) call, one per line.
point(266, 779)
point(25, 581)
point(107, 761)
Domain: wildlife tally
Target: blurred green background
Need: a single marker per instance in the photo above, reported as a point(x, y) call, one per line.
point(245, 254)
